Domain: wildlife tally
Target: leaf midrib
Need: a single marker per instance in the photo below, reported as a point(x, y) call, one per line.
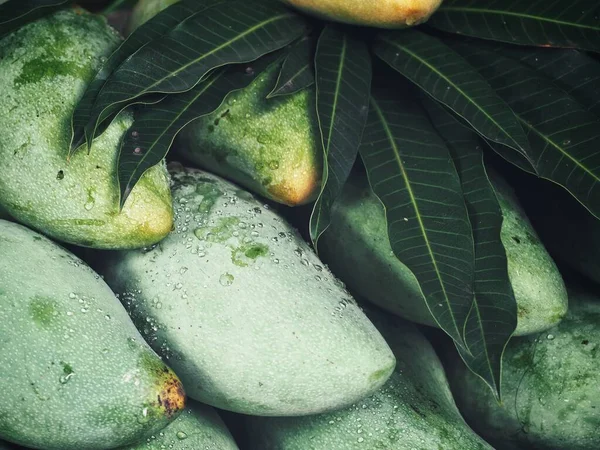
point(333, 116)
point(208, 84)
point(449, 81)
point(558, 147)
point(396, 152)
point(204, 56)
point(466, 9)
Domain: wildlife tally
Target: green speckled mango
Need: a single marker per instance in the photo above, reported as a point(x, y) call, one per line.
point(45, 67)
point(270, 146)
point(413, 410)
point(199, 427)
point(370, 268)
point(145, 10)
point(74, 371)
point(550, 386)
point(243, 310)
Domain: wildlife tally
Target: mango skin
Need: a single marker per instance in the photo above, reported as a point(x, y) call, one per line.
point(74, 371)
point(414, 409)
point(375, 13)
point(244, 311)
point(270, 146)
point(370, 268)
point(549, 383)
point(45, 68)
point(197, 427)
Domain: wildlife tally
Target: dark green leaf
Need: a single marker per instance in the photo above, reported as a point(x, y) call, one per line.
point(217, 36)
point(343, 78)
point(571, 70)
point(155, 128)
point(493, 317)
point(154, 28)
point(297, 72)
point(564, 137)
point(411, 171)
point(16, 13)
point(448, 78)
point(573, 23)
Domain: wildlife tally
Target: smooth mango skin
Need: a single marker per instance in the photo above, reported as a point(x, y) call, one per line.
point(198, 427)
point(414, 409)
point(270, 146)
point(145, 10)
point(370, 269)
point(74, 371)
point(550, 386)
point(45, 68)
point(375, 13)
point(243, 310)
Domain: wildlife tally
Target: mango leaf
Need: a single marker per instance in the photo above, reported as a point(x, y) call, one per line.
point(448, 78)
point(564, 137)
point(297, 72)
point(155, 128)
point(214, 37)
point(154, 28)
point(573, 71)
point(343, 78)
point(16, 13)
point(411, 171)
point(493, 317)
point(545, 23)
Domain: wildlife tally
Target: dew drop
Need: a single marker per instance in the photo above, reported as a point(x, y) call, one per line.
point(181, 435)
point(144, 417)
point(226, 279)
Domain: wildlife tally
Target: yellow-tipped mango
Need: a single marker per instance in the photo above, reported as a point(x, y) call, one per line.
point(376, 13)
point(46, 66)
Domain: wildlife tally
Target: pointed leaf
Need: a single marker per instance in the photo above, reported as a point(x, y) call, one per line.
point(343, 77)
point(448, 78)
point(154, 28)
point(564, 137)
point(545, 23)
point(297, 72)
point(154, 130)
point(573, 71)
point(493, 317)
point(411, 171)
point(16, 13)
point(217, 36)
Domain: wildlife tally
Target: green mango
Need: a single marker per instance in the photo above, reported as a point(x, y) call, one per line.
point(145, 10)
point(243, 309)
point(570, 232)
point(45, 68)
point(370, 268)
point(550, 386)
point(199, 427)
point(413, 410)
point(74, 371)
point(270, 146)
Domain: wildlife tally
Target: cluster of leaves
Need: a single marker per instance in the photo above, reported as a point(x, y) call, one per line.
point(420, 106)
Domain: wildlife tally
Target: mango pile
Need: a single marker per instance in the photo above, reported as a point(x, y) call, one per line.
point(198, 317)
